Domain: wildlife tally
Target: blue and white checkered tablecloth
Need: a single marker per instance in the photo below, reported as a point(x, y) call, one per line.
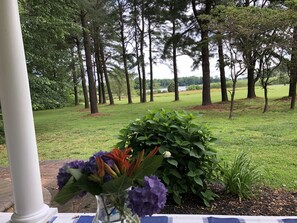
point(156, 219)
point(196, 219)
point(246, 220)
point(171, 218)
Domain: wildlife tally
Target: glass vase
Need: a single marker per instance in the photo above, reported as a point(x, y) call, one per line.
point(113, 208)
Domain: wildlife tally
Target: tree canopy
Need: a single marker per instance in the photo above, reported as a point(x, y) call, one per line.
point(108, 38)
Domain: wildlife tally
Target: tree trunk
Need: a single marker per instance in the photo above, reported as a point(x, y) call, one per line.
point(137, 48)
point(151, 60)
point(265, 98)
point(142, 54)
point(82, 73)
point(293, 98)
point(251, 63)
point(206, 99)
point(102, 86)
point(111, 101)
point(291, 86)
point(174, 55)
point(232, 98)
point(92, 87)
point(124, 55)
point(138, 69)
point(74, 79)
point(99, 70)
point(222, 70)
point(293, 69)
point(251, 83)
point(99, 82)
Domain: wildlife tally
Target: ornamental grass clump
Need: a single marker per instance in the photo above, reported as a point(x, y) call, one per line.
point(241, 178)
point(193, 164)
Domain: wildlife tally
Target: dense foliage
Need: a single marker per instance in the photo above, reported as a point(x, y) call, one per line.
point(171, 87)
point(133, 36)
point(193, 163)
point(48, 94)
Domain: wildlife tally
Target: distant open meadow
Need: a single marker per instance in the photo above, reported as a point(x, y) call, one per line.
point(270, 138)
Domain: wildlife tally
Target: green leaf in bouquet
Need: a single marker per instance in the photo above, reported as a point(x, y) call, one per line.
point(87, 185)
point(69, 191)
point(76, 173)
point(118, 184)
point(148, 166)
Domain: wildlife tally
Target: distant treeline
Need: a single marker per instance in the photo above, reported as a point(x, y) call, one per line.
point(186, 81)
point(182, 81)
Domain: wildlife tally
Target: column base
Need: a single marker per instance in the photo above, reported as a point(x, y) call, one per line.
point(44, 215)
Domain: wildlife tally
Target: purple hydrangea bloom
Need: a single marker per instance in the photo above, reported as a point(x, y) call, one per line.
point(149, 199)
point(91, 166)
point(63, 175)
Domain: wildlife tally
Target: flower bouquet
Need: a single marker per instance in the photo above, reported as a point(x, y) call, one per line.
point(124, 186)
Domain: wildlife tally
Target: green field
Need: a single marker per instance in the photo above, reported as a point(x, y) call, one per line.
point(271, 138)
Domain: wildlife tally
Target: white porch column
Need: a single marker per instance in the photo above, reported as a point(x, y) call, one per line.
point(18, 121)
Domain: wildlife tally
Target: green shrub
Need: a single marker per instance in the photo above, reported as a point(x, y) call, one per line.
point(241, 178)
point(193, 163)
point(194, 87)
point(48, 94)
point(239, 83)
point(215, 85)
point(171, 87)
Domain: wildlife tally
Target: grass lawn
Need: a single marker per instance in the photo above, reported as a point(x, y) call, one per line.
point(271, 138)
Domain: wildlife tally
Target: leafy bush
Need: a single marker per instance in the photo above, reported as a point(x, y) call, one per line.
point(242, 177)
point(48, 94)
point(215, 85)
point(194, 87)
point(193, 163)
point(239, 83)
point(279, 79)
point(171, 87)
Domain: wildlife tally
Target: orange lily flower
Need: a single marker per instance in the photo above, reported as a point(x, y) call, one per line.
point(116, 169)
point(109, 170)
point(154, 151)
point(136, 163)
point(120, 157)
point(100, 165)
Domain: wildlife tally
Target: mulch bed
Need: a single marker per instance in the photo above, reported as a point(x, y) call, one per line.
point(268, 202)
